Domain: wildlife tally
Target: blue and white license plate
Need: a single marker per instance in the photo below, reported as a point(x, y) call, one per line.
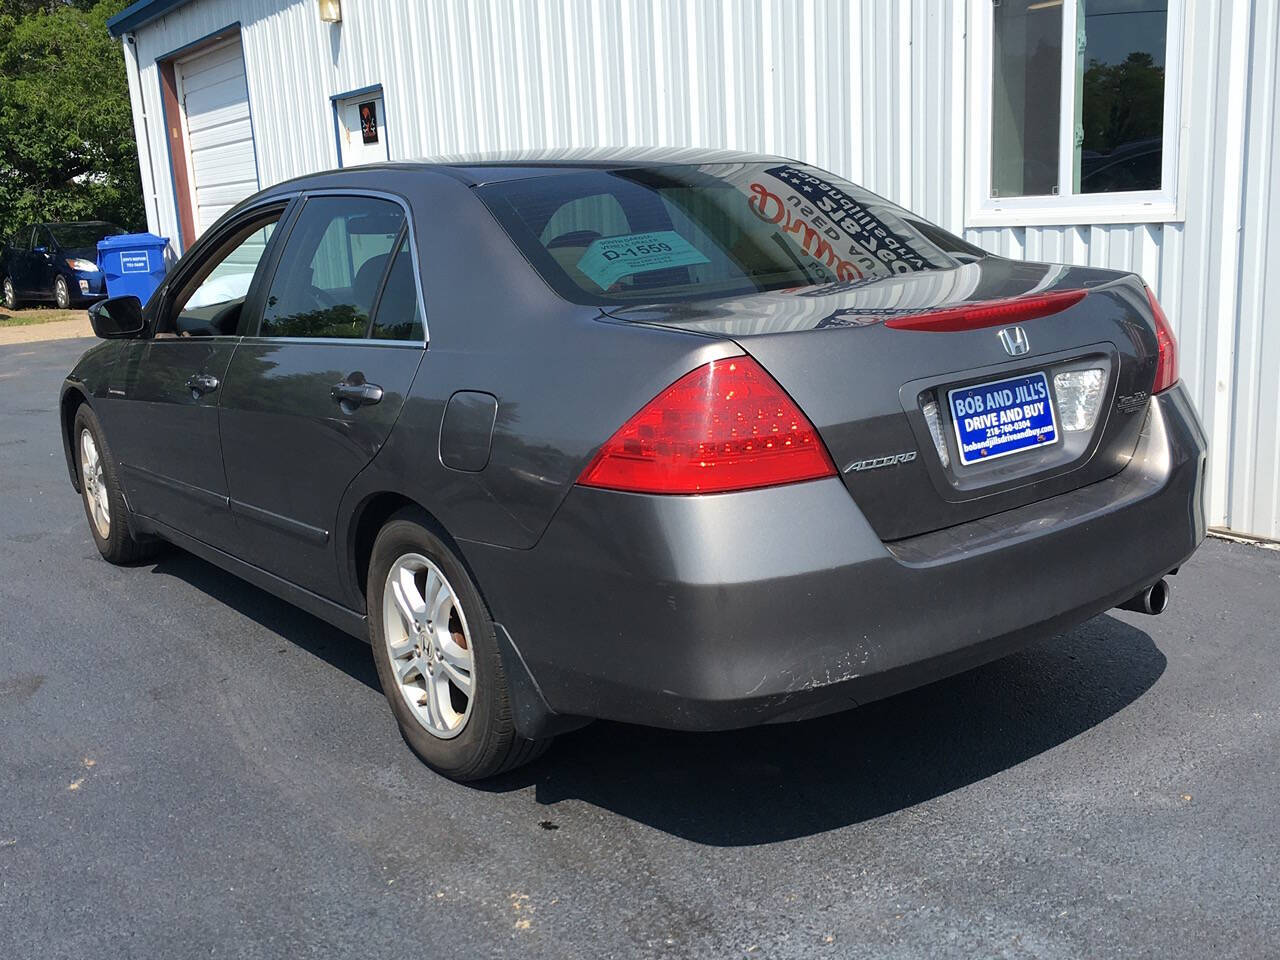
point(1003, 417)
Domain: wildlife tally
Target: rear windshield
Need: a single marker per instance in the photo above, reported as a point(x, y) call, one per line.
point(688, 232)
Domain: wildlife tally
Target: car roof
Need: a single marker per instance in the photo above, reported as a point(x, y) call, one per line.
point(481, 168)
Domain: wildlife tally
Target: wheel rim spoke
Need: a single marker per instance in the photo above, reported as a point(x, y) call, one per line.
point(432, 697)
point(457, 677)
point(409, 602)
point(409, 667)
point(400, 648)
point(439, 604)
point(453, 653)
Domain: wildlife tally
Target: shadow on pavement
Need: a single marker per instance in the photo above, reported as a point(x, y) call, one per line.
point(328, 643)
point(772, 783)
point(780, 782)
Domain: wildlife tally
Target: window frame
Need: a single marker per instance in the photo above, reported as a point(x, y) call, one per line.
point(402, 240)
point(1165, 205)
point(210, 245)
point(255, 333)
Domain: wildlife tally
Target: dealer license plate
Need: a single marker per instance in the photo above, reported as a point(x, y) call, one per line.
point(1003, 417)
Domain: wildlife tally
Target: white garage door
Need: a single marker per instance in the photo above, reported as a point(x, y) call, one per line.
point(215, 107)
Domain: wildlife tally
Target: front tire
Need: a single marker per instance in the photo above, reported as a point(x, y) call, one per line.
point(437, 657)
point(10, 295)
point(104, 503)
point(61, 293)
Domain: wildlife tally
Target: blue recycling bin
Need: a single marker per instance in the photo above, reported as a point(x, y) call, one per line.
point(133, 263)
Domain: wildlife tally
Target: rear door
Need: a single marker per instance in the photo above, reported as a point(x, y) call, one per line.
point(43, 262)
point(165, 434)
point(313, 394)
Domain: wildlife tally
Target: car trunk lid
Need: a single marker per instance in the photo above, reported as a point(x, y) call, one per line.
point(865, 375)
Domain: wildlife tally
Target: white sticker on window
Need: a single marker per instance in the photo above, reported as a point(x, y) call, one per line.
point(609, 259)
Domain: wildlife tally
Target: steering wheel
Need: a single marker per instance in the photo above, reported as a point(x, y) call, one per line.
point(323, 298)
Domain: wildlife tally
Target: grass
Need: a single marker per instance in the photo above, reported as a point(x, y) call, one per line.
point(23, 318)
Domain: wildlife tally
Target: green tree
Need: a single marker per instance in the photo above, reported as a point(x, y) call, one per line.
point(67, 149)
point(1123, 102)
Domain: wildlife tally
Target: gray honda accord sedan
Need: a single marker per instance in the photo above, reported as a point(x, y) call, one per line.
point(701, 441)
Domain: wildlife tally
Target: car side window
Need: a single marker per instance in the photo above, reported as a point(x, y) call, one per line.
point(332, 267)
point(210, 301)
point(399, 316)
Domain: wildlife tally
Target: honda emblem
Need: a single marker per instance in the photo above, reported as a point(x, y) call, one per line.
point(1014, 340)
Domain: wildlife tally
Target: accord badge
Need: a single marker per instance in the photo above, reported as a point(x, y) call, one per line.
point(876, 462)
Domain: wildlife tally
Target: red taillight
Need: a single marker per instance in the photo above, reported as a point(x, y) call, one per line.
point(989, 313)
point(1166, 347)
point(725, 426)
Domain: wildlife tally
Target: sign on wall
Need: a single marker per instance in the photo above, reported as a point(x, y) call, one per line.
point(369, 121)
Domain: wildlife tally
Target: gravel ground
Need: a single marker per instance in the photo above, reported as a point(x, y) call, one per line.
point(192, 768)
point(37, 324)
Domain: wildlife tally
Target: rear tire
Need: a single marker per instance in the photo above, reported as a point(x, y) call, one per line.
point(10, 295)
point(61, 293)
point(433, 639)
point(110, 522)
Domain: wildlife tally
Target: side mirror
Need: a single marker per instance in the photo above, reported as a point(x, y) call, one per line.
point(41, 250)
point(118, 318)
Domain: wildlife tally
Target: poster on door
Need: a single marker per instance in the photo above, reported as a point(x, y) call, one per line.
point(368, 121)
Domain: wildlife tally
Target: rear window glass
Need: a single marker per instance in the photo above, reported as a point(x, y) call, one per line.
point(688, 232)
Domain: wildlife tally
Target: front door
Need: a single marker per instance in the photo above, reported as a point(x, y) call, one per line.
point(166, 433)
point(311, 399)
point(28, 258)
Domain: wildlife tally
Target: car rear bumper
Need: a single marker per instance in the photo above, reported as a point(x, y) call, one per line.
point(724, 611)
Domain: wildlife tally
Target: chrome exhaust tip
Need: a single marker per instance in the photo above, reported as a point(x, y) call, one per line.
point(1153, 600)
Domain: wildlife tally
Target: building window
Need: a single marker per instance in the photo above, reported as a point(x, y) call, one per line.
point(1079, 122)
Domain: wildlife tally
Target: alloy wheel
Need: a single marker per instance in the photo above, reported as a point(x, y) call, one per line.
point(429, 645)
point(95, 489)
point(60, 294)
point(10, 295)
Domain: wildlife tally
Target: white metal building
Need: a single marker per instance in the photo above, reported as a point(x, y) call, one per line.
point(1135, 134)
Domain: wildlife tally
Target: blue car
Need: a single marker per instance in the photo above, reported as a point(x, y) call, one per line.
point(55, 261)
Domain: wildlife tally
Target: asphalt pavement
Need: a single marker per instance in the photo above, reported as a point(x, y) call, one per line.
point(190, 767)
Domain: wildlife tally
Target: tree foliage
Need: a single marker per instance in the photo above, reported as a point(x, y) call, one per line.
point(1123, 102)
point(67, 149)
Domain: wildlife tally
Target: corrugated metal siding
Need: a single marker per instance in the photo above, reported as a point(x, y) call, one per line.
point(1254, 500)
point(1214, 287)
point(872, 89)
point(833, 82)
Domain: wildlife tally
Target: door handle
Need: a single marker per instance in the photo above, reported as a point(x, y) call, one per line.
point(201, 383)
point(358, 394)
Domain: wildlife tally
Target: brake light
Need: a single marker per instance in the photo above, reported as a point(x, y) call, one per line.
point(727, 425)
point(1166, 347)
point(988, 313)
